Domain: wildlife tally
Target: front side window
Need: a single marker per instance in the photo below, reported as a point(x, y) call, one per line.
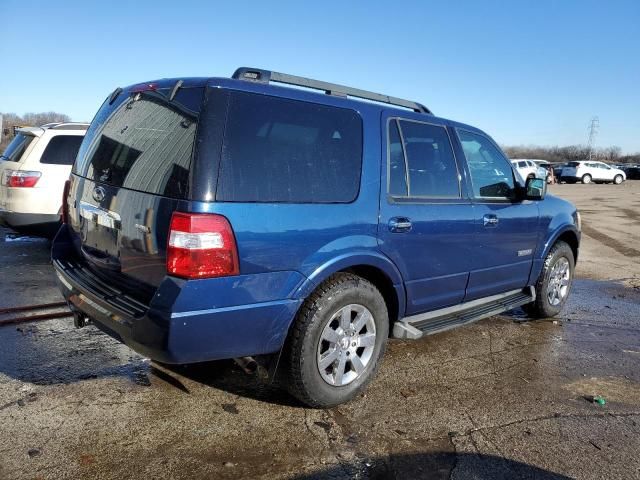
point(61, 150)
point(282, 150)
point(424, 150)
point(491, 173)
point(16, 148)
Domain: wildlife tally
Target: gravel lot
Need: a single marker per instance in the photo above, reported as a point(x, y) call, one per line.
point(502, 398)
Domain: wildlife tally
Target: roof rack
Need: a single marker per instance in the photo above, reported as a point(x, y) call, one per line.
point(266, 76)
point(68, 126)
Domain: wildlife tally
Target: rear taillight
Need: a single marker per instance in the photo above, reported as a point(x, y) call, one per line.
point(64, 215)
point(201, 245)
point(21, 178)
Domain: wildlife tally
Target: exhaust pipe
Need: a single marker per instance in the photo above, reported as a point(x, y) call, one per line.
point(80, 320)
point(247, 364)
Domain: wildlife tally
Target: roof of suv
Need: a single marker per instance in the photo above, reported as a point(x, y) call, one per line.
point(254, 79)
point(38, 131)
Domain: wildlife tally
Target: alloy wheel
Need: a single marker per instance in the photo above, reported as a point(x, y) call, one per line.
point(559, 281)
point(346, 345)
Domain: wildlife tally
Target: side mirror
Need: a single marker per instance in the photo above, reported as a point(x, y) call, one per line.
point(535, 188)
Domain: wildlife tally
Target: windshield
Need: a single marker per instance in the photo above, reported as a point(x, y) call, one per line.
point(17, 147)
point(144, 142)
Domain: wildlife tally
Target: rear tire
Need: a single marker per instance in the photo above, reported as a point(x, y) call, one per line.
point(618, 179)
point(586, 178)
point(554, 283)
point(337, 341)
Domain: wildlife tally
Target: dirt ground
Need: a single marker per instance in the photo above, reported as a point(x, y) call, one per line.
point(502, 398)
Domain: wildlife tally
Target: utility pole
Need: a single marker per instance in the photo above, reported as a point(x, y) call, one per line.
point(594, 125)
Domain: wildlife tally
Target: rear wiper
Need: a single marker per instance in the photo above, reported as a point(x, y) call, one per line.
point(114, 95)
point(175, 89)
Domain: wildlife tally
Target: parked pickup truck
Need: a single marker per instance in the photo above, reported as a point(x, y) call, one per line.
point(212, 218)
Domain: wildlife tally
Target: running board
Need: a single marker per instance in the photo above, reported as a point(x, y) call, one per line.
point(417, 326)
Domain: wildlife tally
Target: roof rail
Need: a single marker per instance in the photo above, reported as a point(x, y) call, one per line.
point(266, 76)
point(70, 126)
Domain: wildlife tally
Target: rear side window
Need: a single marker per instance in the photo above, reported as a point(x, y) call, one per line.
point(16, 148)
point(428, 157)
point(573, 164)
point(144, 141)
point(281, 150)
point(61, 150)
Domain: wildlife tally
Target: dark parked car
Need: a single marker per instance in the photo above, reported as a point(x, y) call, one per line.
point(212, 218)
point(632, 172)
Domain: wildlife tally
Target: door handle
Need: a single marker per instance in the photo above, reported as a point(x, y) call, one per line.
point(400, 225)
point(490, 220)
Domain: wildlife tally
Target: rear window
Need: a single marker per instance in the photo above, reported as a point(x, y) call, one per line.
point(61, 150)
point(573, 164)
point(16, 148)
point(144, 142)
point(280, 150)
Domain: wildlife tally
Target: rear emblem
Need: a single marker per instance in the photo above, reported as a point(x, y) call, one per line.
point(98, 194)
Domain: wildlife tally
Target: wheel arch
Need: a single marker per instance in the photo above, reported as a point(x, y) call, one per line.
point(375, 268)
point(568, 234)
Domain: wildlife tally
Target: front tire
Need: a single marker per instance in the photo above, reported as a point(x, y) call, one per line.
point(586, 178)
point(618, 179)
point(337, 341)
point(554, 283)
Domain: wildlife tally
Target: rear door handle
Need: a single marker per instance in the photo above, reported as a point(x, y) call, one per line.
point(490, 220)
point(400, 225)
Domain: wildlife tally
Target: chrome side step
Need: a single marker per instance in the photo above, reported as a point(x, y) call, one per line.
point(417, 326)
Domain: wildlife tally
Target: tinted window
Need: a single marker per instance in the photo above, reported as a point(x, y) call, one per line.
point(522, 164)
point(143, 142)
point(61, 150)
point(491, 173)
point(397, 170)
point(16, 148)
point(279, 150)
point(431, 166)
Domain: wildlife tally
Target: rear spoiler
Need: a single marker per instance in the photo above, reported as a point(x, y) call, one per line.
point(32, 131)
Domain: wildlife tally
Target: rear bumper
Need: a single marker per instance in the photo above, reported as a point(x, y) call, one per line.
point(163, 329)
point(14, 219)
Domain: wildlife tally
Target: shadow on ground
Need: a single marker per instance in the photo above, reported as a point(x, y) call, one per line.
point(437, 465)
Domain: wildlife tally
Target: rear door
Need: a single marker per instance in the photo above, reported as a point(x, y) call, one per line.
point(132, 171)
point(506, 231)
point(426, 221)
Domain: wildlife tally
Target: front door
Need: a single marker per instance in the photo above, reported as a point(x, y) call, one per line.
point(506, 229)
point(426, 221)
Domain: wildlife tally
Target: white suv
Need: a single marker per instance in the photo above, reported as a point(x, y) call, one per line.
point(33, 170)
point(588, 172)
point(529, 168)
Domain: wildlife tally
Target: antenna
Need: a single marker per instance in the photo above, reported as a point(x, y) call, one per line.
point(594, 126)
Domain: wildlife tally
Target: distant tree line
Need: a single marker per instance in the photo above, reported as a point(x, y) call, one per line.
point(9, 120)
point(552, 154)
point(571, 153)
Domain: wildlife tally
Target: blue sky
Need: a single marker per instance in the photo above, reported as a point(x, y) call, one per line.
point(527, 72)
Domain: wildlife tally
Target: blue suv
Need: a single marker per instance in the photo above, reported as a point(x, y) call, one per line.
point(212, 218)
